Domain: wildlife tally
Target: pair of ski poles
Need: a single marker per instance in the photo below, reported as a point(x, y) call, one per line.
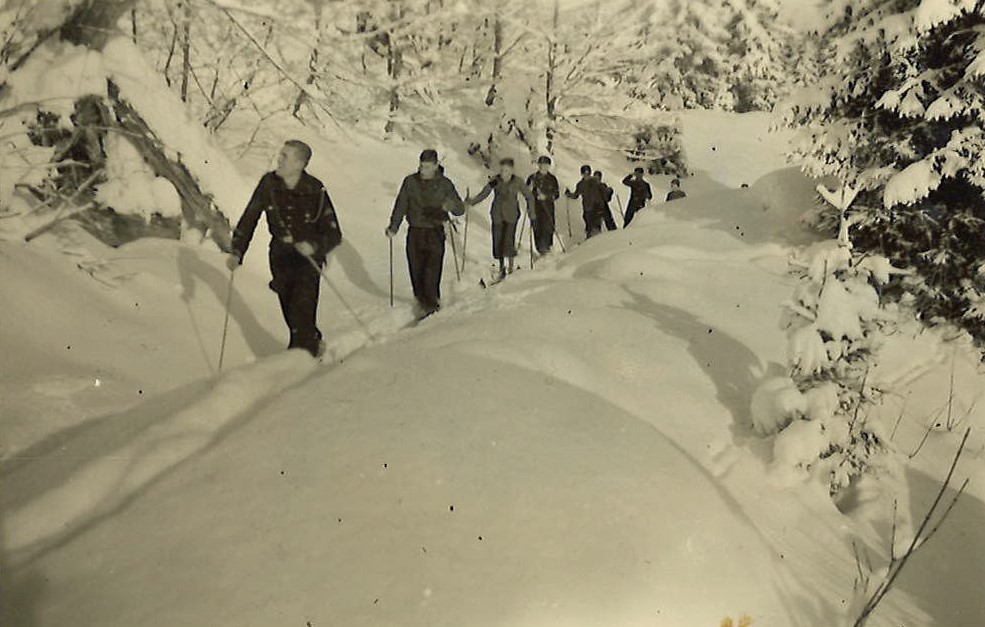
point(454, 250)
point(321, 273)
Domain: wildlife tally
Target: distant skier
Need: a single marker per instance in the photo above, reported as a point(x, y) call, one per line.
point(607, 194)
point(505, 212)
point(590, 192)
point(639, 194)
point(675, 190)
point(425, 199)
point(303, 228)
point(546, 191)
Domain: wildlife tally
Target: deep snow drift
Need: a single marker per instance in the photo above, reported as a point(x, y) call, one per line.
point(572, 447)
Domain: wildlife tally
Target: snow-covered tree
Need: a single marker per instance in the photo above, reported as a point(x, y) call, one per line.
point(834, 324)
point(715, 54)
point(900, 117)
point(758, 47)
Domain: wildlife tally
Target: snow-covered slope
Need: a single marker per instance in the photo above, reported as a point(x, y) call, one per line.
point(568, 448)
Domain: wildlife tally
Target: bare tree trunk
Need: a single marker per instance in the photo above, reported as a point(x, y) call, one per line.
point(312, 59)
point(186, 62)
point(549, 96)
point(133, 24)
point(497, 68)
point(394, 66)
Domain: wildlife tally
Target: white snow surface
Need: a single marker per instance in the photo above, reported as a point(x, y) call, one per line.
point(573, 447)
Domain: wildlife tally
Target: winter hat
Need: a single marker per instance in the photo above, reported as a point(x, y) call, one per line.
point(586, 169)
point(638, 170)
point(429, 155)
point(544, 159)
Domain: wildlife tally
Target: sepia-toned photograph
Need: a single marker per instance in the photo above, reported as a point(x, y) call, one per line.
point(492, 313)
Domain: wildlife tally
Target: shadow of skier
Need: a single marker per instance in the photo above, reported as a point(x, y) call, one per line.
point(192, 270)
point(353, 266)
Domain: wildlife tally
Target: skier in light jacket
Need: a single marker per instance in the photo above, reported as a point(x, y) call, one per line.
point(505, 212)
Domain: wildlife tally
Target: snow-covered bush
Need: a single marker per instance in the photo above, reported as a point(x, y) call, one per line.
point(834, 325)
point(900, 116)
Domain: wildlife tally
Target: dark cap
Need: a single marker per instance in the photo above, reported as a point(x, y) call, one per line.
point(638, 170)
point(430, 155)
point(544, 159)
point(586, 169)
point(506, 161)
point(598, 174)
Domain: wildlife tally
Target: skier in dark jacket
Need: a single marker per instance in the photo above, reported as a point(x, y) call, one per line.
point(303, 228)
point(425, 199)
point(505, 212)
point(546, 191)
point(590, 192)
point(607, 194)
point(639, 194)
point(675, 190)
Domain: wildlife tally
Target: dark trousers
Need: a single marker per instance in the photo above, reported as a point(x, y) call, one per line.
point(610, 223)
point(504, 240)
point(425, 258)
point(296, 282)
point(593, 222)
point(631, 210)
point(544, 225)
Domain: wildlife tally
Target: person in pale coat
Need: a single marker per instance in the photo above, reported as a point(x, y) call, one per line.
point(505, 212)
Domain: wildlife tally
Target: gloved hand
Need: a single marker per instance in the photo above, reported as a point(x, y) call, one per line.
point(233, 261)
point(448, 205)
point(305, 248)
point(389, 233)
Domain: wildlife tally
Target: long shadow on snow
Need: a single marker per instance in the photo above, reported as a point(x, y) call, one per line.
point(192, 269)
point(352, 264)
point(729, 363)
point(52, 461)
point(23, 592)
point(941, 576)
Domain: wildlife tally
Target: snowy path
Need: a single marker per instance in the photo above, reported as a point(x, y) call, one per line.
point(569, 448)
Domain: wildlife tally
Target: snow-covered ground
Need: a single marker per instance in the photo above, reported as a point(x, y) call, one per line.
point(572, 447)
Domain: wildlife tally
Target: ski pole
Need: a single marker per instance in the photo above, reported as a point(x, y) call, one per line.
point(225, 323)
point(465, 236)
point(391, 271)
point(531, 242)
point(454, 252)
point(338, 294)
point(619, 204)
point(567, 210)
point(523, 225)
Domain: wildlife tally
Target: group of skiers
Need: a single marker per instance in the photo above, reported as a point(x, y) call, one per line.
point(304, 226)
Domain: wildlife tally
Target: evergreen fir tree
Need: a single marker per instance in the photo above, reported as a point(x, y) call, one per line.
point(899, 116)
